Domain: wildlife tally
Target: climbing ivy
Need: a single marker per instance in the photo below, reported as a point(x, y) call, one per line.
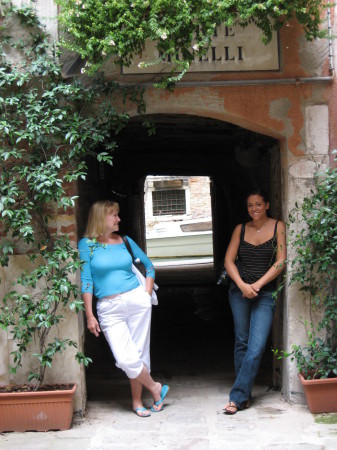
point(100, 29)
point(313, 237)
point(49, 127)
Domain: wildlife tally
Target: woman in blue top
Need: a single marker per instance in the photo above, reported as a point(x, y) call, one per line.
point(260, 247)
point(123, 306)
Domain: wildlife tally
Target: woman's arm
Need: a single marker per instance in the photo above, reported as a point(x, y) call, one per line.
point(150, 272)
point(279, 264)
point(87, 285)
point(86, 249)
point(149, 285)
point(230, 266)
point(92, 323)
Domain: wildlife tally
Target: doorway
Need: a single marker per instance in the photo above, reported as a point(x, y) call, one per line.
point(192, 329)
point(178, 223)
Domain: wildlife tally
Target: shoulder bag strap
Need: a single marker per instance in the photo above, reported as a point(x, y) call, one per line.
point(128, 246)
point(237, 260)
point(243, 227)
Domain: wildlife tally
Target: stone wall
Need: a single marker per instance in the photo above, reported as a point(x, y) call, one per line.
point(200, 197)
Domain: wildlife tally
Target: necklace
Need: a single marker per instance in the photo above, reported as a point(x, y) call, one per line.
point(258, 230)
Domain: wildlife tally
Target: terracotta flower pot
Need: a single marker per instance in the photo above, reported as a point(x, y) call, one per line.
point(37, 411)
point(321, 394)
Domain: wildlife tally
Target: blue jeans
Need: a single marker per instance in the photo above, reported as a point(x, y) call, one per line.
point(252, 324)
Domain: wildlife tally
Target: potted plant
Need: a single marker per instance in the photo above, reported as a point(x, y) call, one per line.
point(314, 267)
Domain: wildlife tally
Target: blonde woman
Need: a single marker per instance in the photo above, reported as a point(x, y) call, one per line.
point(123, 306)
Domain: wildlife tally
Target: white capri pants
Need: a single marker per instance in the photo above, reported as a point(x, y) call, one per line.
point(125, 320)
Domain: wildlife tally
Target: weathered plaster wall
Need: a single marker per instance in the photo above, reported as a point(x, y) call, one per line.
point(47, 11)
point(4, 374)
point(333, 94)
point(65, 369)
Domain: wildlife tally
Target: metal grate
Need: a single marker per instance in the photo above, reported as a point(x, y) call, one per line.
point(172, 201)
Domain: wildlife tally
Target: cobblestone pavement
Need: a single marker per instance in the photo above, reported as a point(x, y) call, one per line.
point(192, 419)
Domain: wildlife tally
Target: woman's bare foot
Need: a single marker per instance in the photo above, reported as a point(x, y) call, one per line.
point(231, 408)
point(156, 393)
point(142, 412)
point(159, 404)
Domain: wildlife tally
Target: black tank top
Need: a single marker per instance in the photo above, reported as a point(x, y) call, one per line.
point(256, 260)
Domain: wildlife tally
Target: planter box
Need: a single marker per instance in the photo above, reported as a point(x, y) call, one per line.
point(37, 411)
point(321, 394)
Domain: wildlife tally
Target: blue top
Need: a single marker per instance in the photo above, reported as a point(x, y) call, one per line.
point(107, 267)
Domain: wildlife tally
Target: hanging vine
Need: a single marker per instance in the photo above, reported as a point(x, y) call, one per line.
point(182, 29)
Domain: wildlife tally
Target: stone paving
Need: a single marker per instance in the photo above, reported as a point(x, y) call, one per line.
point(192, 419)
point(192, 351)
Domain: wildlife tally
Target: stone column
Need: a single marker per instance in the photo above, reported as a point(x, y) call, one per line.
point(301, 175)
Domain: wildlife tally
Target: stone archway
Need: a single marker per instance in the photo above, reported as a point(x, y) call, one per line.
point(235, 159)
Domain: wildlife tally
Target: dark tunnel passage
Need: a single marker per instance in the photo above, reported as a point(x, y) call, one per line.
point(192, 329)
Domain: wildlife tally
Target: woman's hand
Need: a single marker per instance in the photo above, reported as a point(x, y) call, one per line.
point(256, 287)
point(248, 291)
point(92, 323)
point(149, 283)
point(93, 326)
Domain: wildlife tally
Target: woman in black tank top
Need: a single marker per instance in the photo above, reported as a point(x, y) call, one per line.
point(255, 257)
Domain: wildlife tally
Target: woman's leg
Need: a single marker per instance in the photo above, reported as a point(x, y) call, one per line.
point(125, 321)
point(145, 379)
point(136, 392)
point(113, 316)
point(139, 323)
point(260, 325)
point(241, 310)
point(137, 388)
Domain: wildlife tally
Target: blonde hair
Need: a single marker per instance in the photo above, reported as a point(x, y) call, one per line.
point(96, 218)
